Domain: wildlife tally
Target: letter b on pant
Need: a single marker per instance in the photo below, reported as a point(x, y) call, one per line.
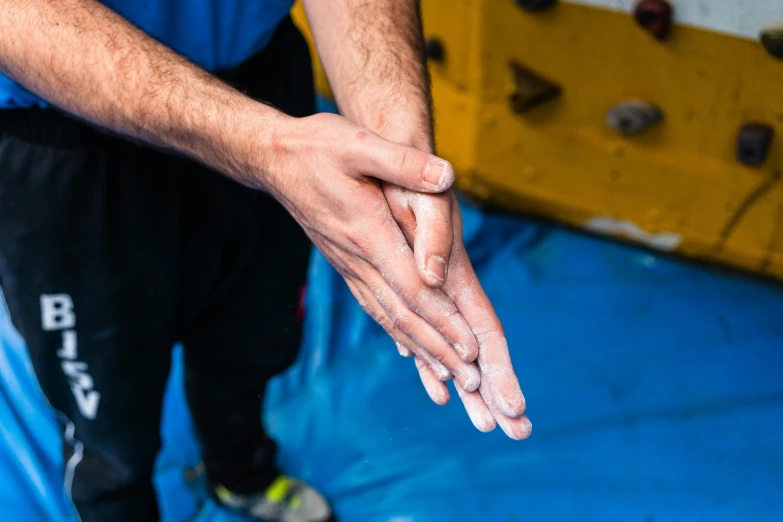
point(57, 312)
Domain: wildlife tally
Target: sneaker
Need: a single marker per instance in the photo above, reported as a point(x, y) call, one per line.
point(286, 500)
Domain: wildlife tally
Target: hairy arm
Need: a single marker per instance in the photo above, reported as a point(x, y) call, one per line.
point(373, 55)
point(86, 59)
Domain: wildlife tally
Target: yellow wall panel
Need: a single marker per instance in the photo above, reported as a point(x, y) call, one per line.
point(682, 178)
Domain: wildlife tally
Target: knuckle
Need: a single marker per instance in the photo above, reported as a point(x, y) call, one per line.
point(453, 315)
point(419, 296)
point(402, 322)
point(353, 152)
point(445, 230)
point(442, 357)
point(491, 371)
point(382, 320)
point(402, 158)
point(358, 244)
point(489, 334)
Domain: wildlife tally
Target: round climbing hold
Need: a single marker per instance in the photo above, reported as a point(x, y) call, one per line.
point(633, 116)
point(753, 143)
point(772, 39)
point(655, 16)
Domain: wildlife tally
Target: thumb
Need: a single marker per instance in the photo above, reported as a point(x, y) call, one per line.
point(406, 167)
point(434, 236)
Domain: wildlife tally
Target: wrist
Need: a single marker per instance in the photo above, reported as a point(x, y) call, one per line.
point(417, 136)
point(408, 126)
point(253, 144)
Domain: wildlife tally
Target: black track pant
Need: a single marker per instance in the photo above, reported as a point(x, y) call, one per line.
point(111, 252)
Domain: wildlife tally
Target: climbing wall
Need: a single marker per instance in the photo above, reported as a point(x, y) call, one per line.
point(652, 121)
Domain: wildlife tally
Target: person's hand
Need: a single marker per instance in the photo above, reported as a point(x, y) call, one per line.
point(432, 223)
point(325, 170)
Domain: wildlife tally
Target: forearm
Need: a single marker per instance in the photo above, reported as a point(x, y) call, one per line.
point(87, 60)
point(373, 55)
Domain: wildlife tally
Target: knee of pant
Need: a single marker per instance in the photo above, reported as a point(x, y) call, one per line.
point(105, 471)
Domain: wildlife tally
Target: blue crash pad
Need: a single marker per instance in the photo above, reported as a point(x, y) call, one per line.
point(654, 388)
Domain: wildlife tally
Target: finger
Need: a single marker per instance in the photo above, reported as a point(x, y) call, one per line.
point(409, 167)
point(438, 391)
point(395, 270)
point(405, 345)
point(497, 371)
point(403, 350)
point(425, 221)
point(451, 329)
point(516, 428)
point(434, 236)
point(441, 373)
point(397, 273)
point(477, 404)
point(436, 369)
point(485, 414)
point(422, 333)
point(502, 381)
point(477, 410)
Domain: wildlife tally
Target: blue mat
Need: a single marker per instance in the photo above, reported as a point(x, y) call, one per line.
point(654, 388)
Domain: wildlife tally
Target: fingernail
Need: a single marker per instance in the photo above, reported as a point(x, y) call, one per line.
point(437, 173)
point(441, 372)
point(520, 431)
point(436, 268)
point(461, 351)
point(472, 379)
point(512, 406)
point(483, 421)
point(403, 350)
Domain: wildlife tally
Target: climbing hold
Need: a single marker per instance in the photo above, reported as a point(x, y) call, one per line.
point(535, 5)
point(753, 143)
point(633, 116)
point(773, 42)
point(655, 16)
point(530, 88)
point(434, 49)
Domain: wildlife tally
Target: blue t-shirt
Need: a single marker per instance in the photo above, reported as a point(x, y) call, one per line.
point(214, 34)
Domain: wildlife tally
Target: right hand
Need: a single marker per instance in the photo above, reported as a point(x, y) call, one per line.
point(433, 223)
point(327, 171)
